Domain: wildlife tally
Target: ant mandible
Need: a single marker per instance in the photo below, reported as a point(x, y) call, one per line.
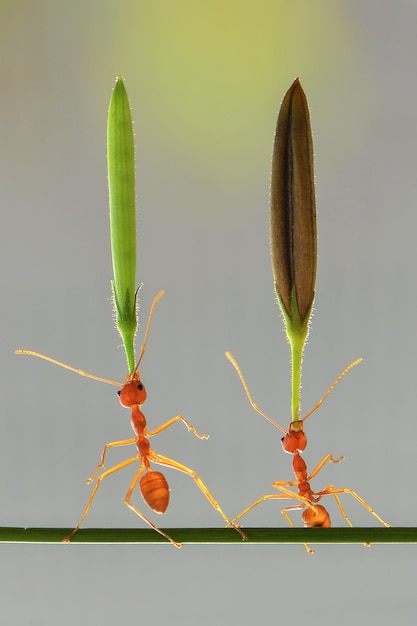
point(152, 484)
point(294, 442)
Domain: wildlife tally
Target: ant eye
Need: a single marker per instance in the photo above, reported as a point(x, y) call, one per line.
point(140, 386)
point(118, 393)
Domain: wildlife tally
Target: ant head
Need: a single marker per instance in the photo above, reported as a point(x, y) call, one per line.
point(133, 391)
point(295, 439)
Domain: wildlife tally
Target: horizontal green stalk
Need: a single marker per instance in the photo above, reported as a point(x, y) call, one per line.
point(213, 535)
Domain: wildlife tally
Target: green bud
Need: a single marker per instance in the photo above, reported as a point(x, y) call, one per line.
point(122, 199)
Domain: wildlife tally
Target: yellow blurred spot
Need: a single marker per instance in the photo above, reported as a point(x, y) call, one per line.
point(215, 66)
point(207, 77)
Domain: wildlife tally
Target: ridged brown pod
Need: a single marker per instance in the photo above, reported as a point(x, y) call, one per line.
point(293, 206)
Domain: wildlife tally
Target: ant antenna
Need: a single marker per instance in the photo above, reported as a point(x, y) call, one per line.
point(329, 391)
point(68, 367)
point(148, 326)
point(254, 406)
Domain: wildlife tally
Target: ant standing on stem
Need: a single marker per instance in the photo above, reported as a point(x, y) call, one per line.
point(294, 442)
point(153, 485)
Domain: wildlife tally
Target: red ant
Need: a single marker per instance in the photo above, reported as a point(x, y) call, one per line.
point(153, 485)
point(294, 442)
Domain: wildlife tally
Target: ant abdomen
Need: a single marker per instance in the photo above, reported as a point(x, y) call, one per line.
point(316, 517)
point(155, 491)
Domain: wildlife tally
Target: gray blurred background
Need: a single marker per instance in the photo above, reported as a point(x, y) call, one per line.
point(206, 80)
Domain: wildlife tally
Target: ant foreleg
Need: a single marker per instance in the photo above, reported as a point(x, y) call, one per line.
point(178, 418)
point(112, 444)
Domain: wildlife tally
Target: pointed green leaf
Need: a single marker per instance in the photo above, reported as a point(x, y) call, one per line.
point(122, 199)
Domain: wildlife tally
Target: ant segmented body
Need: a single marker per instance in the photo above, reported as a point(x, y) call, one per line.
point(294, 442)
point(152, 484)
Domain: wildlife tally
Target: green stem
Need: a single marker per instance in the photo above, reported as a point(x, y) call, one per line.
point(297, 331)
point(213, 535)
point(297, 347)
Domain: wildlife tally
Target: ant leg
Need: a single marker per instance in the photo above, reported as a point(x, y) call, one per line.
point(327, 459)
point(163, 460)
point(296, 507)
point(141, 515)
point(285, 483)
point(295, 496)
point(342, 510)
point(332, 491)
point(294, 483)
point(178, 418)
point(112, 444)
point(274, 496)
point(271, 496)
point(110, 471)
